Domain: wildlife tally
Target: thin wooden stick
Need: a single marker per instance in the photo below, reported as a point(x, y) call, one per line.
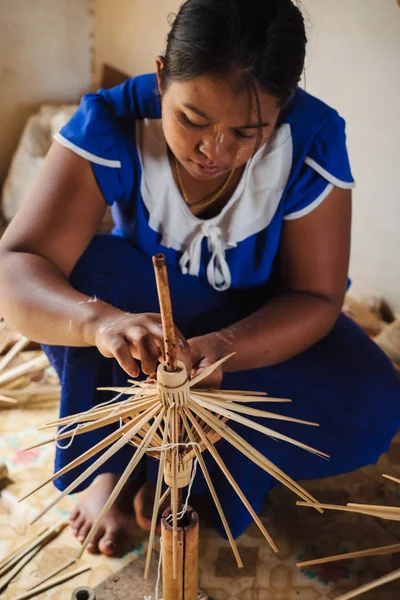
point(213, 494)
point(157, 496)
point(110, 439)
point(164, 497)
point(91, 426)
point(5, 337)
point(122, 480)
point(371, 586)
point(34, 390)
point(94, 414)
point(102, 422)
point(20, 549)
point(164, 298)
point(100, 461)
point(261, 428)
point(378, 507)
point(382, 551)
point(13, 352)
point(35, 364)
point(392, 478)
point(174, 497)
point(53, 583)
point(255, 412)
point(7, 400)
point(217, 457)
point(254, 455)
point(196, 380)
point(18, 567)
point(40, 539)
point(244, 397)
point(372, 513)
point(53, 574)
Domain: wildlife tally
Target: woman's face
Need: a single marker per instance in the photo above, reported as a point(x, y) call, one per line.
point(211, 125)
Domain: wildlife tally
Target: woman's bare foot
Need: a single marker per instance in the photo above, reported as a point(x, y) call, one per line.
point(115, 536)
point(143, 505)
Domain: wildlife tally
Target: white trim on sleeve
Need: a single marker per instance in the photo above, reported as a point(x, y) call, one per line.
point(344, 185)
point(116, 164)
point(307, 209)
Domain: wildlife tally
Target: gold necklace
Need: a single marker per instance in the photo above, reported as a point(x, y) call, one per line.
point(204, 203)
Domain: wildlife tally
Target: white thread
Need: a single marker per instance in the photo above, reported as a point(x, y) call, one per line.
point(78, 426)
point(159, 571)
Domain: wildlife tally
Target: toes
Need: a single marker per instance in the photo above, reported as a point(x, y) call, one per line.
point(74, 514)
point(77, 524)
point(93, 545)
point(108, 544)
point(83, 531)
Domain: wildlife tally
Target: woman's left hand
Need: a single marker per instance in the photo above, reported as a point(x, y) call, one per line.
point(206, 350)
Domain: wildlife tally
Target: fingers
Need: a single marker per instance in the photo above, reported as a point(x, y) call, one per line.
point(132, 338)
point(115, 346)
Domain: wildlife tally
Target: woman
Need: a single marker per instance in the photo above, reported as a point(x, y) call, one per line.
point(242, 179)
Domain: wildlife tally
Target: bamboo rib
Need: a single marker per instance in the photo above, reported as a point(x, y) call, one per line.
point(42, 538)
point(240, 398)
point(10, 557)
point(371, 586)
point(50, 584)
point(122, 480)
point(392, 478)
point(85, 428)
point(196, 380)
point(246, 410)
point(97, 415)
point(372, 513)
point(7, 400)
point(110, 452)
point(35, 364)
point(113, 437)
point(174, 498)
point(266, 430)
point(13, 352)
point(259, 459)
point(382, 551)
point(157, 497)
point(216, 456)
point(164, 497)
point(53, 574)
point(18, 567)
point(213, 494)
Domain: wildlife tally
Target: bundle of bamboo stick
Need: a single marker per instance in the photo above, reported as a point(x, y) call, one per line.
point(16, 385)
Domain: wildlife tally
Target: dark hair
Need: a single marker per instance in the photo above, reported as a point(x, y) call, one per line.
point(263, 40)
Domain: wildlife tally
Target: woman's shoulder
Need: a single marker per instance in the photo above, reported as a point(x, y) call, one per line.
point(136, 98)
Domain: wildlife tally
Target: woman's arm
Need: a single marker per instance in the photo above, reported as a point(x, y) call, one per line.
point(314, 257)
point(37, 254)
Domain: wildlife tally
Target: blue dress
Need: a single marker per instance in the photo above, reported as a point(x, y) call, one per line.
point(221, 270)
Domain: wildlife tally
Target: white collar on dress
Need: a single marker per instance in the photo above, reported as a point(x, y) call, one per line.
point(250, 209)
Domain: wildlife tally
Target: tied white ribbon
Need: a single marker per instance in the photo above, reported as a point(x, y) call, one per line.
point(218, 273)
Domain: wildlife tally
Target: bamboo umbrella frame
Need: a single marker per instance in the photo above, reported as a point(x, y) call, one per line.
point(174, 421)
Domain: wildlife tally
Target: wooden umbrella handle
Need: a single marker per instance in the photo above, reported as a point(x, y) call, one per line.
point(164, 298)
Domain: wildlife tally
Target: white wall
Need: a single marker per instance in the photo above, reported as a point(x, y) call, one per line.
point(45, 56)
point(129, 34)
point(354, 65)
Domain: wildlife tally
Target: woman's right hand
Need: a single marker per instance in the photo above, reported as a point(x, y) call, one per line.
point(130, 337)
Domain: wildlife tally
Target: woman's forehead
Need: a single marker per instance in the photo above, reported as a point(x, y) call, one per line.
point(219, 98)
